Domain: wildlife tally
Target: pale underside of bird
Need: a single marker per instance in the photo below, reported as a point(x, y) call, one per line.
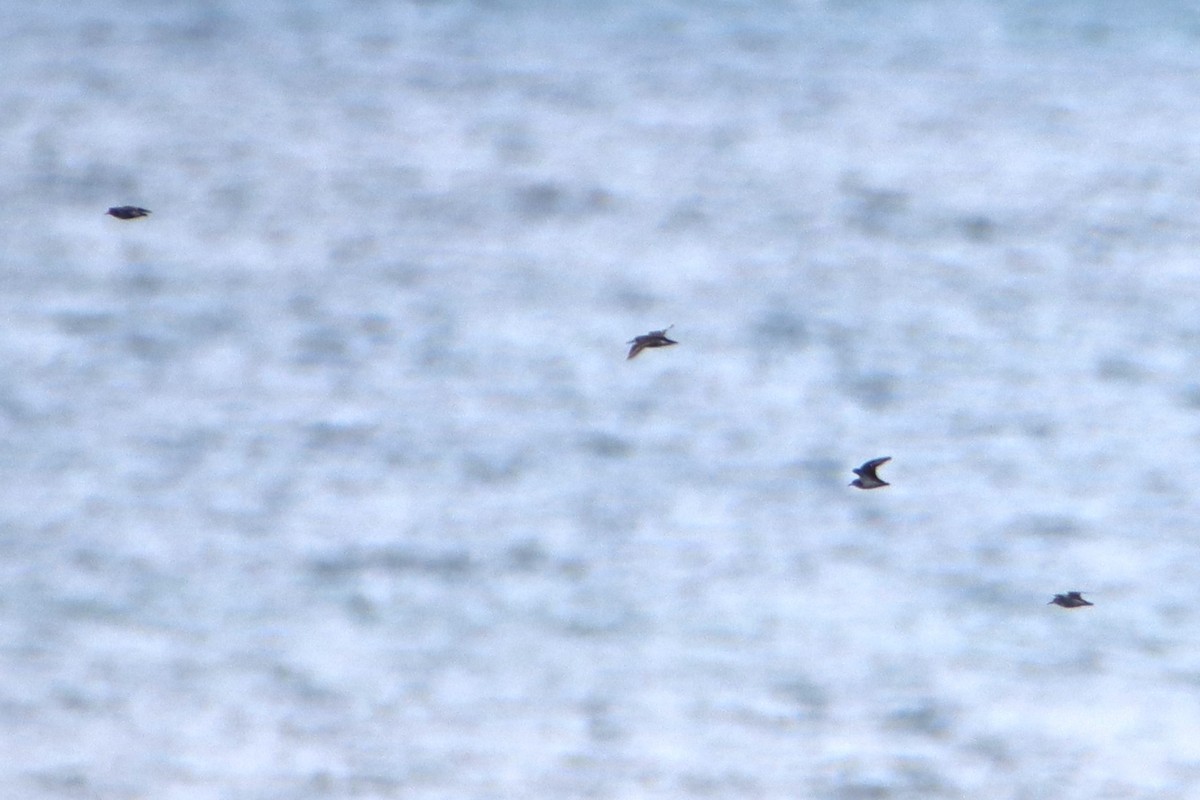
point(651, 339)
point(867, 479)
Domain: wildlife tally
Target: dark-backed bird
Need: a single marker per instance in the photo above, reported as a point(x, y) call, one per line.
point(651, 339)
point(867, 479)
point(1069, 600)
point(127, 212)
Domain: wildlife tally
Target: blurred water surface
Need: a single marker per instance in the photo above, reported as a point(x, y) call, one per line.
point(330, 478)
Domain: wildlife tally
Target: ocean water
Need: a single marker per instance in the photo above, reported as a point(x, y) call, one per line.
point(330, 479)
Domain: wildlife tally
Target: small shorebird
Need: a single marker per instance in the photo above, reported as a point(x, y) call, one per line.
point(1069, 600)
point(867, 479)
point(651, 339)
point(126, 212)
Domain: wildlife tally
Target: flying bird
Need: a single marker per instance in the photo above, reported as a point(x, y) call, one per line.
point(651, 339)
point(1069, 600)
point(126, 212)
point(867, 479)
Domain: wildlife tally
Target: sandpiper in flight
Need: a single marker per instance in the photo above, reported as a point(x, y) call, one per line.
point(651, 339)
point(1069, 600)
point(126, 212)
point(867, 479)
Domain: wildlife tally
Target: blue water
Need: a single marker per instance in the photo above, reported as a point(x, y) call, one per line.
point(330, 479)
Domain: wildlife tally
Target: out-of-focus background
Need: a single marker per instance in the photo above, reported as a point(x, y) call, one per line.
point(330, 479)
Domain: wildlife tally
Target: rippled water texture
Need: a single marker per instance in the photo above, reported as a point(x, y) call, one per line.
point(330, 478)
